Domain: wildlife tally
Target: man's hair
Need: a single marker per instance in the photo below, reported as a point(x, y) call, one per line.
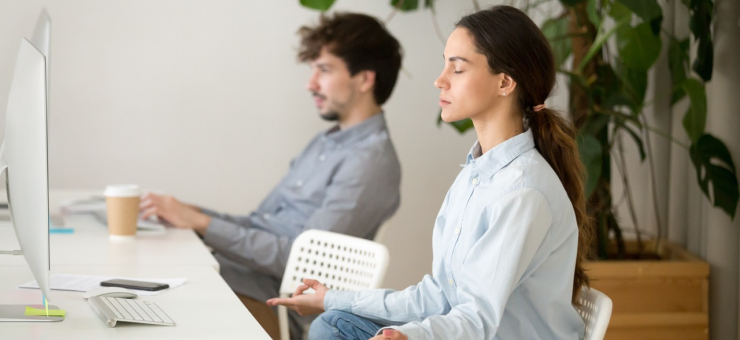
point(361, 42)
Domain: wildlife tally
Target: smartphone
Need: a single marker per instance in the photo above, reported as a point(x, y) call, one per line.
point(131, 284)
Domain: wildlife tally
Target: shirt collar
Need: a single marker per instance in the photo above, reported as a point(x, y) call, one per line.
point(356, 133)
point(501, 155)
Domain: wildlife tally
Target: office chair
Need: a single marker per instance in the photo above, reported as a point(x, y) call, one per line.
point(596, 310)
point(338, 261)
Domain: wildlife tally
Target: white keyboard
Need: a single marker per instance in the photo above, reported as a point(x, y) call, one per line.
point(111, 310)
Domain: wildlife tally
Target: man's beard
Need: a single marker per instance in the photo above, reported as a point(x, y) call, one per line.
point(331, 116)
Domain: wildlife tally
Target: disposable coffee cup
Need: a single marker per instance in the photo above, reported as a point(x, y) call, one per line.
point(122, 203)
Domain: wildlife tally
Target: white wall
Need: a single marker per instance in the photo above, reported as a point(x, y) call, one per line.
point(205, 100)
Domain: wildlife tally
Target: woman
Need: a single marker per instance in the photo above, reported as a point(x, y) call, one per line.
point(511, 236)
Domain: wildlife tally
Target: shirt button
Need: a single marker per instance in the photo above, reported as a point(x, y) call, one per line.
point(457, 231)
point(452, 283)
point(299, 184)
point(322, 158)
point(474, 181)
point(266, 216)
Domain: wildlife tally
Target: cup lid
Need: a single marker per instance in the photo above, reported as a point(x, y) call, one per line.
point(122, 190)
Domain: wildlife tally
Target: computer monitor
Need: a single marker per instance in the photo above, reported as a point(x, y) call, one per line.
point(24, 158)
point(41, 38)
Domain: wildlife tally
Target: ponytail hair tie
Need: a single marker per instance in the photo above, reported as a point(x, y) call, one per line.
point(538, 107)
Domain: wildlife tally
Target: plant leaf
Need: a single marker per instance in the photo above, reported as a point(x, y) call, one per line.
point(590, 152)
point(407, 5)
point(556, 31)
point(695, 119)
point(593, 14)
point(713, 163)
point(678, 60)
point(321, 5)
point(638, 47)
point(571, 3)
point(601, 38)
point(461, 125)
point(648, 10)
point(700, 22)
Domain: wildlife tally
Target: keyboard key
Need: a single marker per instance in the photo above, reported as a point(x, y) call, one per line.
point(112, 308)
point(158, 311)
point(138, 309)
point(121, 309)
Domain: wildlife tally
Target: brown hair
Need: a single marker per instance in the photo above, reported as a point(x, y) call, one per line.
point(514, 45)
point(361, 42)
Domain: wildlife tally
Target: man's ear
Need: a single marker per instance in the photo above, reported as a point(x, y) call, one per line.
point(367, 80)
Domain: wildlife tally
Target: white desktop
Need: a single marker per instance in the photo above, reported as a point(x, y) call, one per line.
point(25, 162)
point(204, 307)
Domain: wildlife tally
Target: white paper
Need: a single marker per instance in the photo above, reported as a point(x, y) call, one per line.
point(84, 283)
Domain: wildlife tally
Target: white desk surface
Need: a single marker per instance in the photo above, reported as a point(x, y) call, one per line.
point(203, 308)
point(90, 245)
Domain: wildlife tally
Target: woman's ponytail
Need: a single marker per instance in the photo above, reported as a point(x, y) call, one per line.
point(555, 139)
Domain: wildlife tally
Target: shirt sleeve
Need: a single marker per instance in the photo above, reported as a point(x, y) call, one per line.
point(385, 306)
point(493, 268)
point(362, 194)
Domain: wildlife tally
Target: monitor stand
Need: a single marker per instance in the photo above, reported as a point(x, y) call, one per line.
point(15, 313)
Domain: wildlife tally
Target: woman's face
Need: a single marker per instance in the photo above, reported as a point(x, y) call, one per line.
point(468, 88)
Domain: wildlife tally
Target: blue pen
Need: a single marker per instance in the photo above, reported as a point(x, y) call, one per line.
point(61, 231)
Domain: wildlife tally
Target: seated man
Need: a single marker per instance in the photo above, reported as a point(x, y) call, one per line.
point(346, 180)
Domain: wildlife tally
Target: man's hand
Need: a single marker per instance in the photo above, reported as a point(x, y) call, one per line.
point(178, 214)
point(390, 334)
point(304, 304)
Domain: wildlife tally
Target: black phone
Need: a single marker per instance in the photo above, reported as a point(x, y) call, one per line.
point(131, 284)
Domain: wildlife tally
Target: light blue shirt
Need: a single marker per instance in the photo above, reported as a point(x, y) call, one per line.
point(504, 246)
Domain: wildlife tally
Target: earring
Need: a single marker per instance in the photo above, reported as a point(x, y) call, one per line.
point(504, 93)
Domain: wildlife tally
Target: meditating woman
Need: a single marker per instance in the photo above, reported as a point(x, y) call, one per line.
point(512, 233)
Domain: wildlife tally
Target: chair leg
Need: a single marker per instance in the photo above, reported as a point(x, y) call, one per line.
point(283, 319)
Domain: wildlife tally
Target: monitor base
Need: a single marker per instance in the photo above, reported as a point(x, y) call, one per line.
point(17, 313)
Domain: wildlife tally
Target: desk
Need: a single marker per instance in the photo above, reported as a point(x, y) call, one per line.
point(203, 308)
point(89, 245)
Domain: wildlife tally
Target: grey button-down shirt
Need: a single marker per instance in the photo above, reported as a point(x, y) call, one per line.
point(345, 181)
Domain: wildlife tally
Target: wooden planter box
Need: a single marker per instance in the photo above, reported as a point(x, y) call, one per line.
point(655, 299)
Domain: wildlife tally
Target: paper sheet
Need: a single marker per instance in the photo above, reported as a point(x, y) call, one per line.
point(84, 283)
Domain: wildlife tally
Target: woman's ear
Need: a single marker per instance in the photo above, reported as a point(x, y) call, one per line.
point(507, 85)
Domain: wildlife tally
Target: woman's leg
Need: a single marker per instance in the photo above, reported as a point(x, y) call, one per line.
point(338, 325)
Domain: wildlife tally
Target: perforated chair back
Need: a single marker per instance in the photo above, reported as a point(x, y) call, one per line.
point(338, 261)
point(596, 310)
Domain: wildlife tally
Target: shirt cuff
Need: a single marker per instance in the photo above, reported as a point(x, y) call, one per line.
point(409, 330)
point(338, 300)
point(209, 212)
point(220, 234)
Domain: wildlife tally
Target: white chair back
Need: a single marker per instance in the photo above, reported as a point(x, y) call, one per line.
point(338, 261)
point(596, 310)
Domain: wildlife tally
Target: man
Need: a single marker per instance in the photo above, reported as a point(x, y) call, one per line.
point(346, 180)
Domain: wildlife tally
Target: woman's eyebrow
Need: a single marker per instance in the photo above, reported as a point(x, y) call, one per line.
point(455, 58)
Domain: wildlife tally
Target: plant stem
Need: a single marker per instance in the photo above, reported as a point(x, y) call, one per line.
point(625, 182)
point(667, 136)
point(436, 28)
point(651, 166)
point(396, 8)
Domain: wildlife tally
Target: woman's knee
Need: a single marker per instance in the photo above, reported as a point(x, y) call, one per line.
point(323, 326)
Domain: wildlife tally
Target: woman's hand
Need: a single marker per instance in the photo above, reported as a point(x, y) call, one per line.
point(304, 304)
point(390, 334)
point(174, 212)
